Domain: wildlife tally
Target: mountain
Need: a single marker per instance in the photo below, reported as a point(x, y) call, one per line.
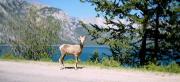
point(70, 30)
point(8, 14)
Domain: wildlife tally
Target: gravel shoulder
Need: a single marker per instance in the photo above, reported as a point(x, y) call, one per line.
point(32, 71)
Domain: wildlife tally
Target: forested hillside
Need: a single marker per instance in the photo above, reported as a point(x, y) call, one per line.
point(32, 29)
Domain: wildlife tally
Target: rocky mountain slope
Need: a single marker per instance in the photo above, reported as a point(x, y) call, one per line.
point(70, 27)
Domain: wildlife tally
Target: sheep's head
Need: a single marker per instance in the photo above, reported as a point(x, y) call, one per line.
point(82, 39)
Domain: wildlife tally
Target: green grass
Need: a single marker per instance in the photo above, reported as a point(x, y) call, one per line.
point(172, 68)
point(10, 57)
point(19, 58)
point(105, 63)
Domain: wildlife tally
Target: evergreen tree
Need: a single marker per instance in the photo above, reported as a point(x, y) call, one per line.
point(155, 18)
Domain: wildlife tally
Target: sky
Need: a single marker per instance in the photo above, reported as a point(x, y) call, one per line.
point(73, 8)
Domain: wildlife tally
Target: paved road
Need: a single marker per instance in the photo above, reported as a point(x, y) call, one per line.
point(29, 71)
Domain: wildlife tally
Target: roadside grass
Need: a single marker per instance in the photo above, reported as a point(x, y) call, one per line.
point(171, 68)
point(11, 57)
point(111, 64)
point(105, 64)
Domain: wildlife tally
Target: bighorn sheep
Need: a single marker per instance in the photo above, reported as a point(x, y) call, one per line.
point(71, 49)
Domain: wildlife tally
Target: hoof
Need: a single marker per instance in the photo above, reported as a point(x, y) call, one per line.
point(75, 68)
point(62, 68)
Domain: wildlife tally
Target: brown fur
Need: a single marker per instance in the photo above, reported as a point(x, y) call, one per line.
point(71, 49)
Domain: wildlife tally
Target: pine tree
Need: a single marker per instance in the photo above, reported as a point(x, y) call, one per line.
point(153, 16)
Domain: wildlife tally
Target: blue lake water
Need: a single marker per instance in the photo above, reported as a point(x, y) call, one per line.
point(4, 49)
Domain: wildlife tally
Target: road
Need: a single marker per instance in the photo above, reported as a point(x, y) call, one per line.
point(31, 71)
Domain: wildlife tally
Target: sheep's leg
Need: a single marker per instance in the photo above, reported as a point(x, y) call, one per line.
point(76, 57)
point(61, 60)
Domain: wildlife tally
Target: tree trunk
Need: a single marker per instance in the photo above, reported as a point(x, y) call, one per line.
point(156, 36)
point(143, 50)
point(156, 46)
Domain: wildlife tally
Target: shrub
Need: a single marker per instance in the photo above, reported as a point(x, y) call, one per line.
point(45, 57)
point(110, 62)
point(172, 68)
point(95, 59)
point(154, 67)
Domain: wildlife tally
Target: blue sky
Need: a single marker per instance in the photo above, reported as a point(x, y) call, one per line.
point(72, 7)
